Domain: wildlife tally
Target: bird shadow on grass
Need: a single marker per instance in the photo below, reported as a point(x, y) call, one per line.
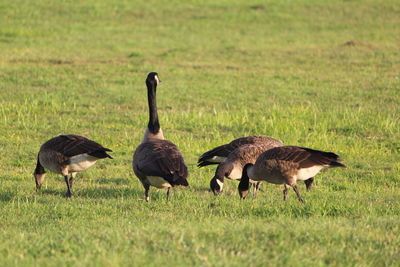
point(7, 196)
point(200, 189)
point(100, 192)
point(109, 193)
point(117, 181)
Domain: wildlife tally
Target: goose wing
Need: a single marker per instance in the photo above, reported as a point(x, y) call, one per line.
point(302, 157)
point(72, 145)
point(220, 153)
point(214, 156)
point(162, 158)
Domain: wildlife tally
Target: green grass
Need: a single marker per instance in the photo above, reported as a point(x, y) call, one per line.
point(283, 69)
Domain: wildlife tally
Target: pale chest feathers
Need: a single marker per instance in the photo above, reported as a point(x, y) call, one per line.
point(306, 173)
point(158, 182)
point(236, 173)
point(149, 135)
point(273, 176)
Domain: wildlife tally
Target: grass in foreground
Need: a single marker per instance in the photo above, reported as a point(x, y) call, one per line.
point(229, 69)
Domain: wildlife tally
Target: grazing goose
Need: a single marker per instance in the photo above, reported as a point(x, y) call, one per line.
point(67, 155)
point(286, 165)
point(156, 161)
point(232, 167)
point(220, 153)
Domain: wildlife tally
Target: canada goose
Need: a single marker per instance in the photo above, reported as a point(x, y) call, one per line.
point(232, 167)
point(220, 153)
point(156, 161)
point(67, 155)
point(286, 165)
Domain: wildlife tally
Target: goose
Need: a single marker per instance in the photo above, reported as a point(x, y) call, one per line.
point(67, 155)
point(158, 162)
point(220, 153)
point(232, 167)
point(286, 165)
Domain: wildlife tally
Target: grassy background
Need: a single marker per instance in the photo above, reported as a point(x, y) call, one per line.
point(321, 74)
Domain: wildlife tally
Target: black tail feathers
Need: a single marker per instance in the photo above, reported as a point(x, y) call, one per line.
point(205, 163)
point(337, 164)
point(101, 154)
point(219, 151)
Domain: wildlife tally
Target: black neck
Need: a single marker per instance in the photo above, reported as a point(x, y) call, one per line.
point(245, 180)
point(223, 170)
point(39, 168)
point(154, 124)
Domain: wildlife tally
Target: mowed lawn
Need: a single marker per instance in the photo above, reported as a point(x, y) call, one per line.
point(319, 74)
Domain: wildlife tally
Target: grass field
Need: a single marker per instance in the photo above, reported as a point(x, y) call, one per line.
point(320, 74)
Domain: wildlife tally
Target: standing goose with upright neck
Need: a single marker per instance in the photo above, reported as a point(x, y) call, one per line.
point(153, 130)
point(158, 162)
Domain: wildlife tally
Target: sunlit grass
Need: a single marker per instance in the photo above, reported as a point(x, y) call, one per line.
point(310, 73)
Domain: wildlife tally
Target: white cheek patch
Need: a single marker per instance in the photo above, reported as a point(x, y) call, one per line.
point(157, 80)
point(221, 184)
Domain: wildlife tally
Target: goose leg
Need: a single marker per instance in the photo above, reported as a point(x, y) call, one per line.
point(285, 191)
point(69, 194)
point(71, 179)
point(168, 193)
point(296, 189)
point(309, 183)
point(256, 188)
point(146, 192)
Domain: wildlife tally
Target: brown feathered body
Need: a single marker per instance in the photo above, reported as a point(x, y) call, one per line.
point(67, 155)
point(220, 153)
point(157, 162)
point(287, 165)
point(232, 167)
point(160, 163)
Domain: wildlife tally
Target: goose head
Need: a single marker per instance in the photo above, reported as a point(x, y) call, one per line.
point(39, 178)
point(216, 186)
point(152, 79)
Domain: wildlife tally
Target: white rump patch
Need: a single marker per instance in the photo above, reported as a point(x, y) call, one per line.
point(158, 182)
point(306, 173)
point(81, 162)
